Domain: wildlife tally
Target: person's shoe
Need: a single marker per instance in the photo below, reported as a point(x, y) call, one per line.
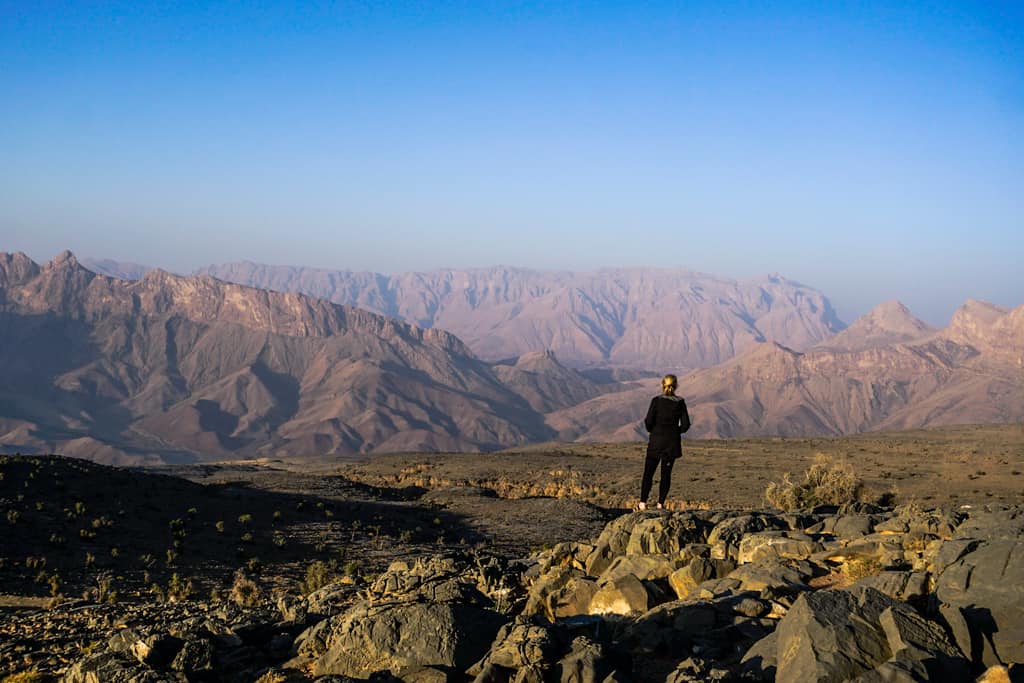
point(661, 506)
point(641, 506)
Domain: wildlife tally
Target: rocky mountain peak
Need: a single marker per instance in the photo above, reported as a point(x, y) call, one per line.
point(973, 323)
point(16, 268)
point(64, 259)
point(888, 323)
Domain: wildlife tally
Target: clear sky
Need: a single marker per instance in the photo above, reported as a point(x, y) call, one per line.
point(872, 150)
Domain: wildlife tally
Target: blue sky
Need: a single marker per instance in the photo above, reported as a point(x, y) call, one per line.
point(872, 150)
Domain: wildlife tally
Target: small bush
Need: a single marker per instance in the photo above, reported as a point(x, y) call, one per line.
point(318, 575)
point(179, 588)
point(244, 591)
point(826, 482)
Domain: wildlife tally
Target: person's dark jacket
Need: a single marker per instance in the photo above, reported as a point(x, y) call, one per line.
point(666, 420)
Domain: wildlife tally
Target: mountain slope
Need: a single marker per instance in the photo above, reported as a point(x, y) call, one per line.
point(185, 368)
point(970, 372)
point(638, 318)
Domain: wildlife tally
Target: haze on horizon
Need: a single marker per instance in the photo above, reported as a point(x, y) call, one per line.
point(873, 152)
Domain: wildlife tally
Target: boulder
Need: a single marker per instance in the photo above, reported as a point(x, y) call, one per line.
point(788, 577)
point(546, 589)
point(686, 579)
point(640, 566)
point(156, 650)
point(620, 596)
point(572, 599)
point(433, 579)
point(832, 635)
point(993, 523)
point(725, 537)
point(760, 661)
point(906, 586)
point(852, 526)
point(372, 637)
point(671, 626)
point(942, 555)
point(521, 644)
point(776, 545)
point(861, 634)
point(665, 534)
point(985, 586)
point(109, 667)
point(585, 663)
point(195, 656)
point(912, 638)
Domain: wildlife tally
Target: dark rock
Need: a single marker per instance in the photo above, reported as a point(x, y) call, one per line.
point(832, 636)
point(293, 609)
point(948, 552)
point(993, 523)
point(109, 667)
point(666, 534)
point(852, 526)
point(914, 639)
point(725, 537)
point(194, 656)
point(585, 663)
point(985, 585)
point(157, 650)
point(523, 643)
point(370, 637)
point(760, 661)
point(861, 634)
point(905, 586)
point(776, 575)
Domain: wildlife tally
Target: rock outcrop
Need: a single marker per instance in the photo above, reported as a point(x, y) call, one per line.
point(864, 594)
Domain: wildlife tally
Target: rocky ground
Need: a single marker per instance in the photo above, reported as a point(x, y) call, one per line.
point(276, 572)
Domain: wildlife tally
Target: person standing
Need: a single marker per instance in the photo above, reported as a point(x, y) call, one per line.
point(666, 421)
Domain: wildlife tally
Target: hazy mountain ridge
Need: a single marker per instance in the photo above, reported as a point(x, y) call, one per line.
point(970, 372)
point(644, 318)
point(182, 368)
point(171, 367)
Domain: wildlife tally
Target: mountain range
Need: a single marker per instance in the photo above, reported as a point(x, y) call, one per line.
point(888, 370)
point(652, 319)
point(182, 368)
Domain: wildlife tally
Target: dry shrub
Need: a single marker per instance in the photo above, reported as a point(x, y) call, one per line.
point(826, 482)
point(244, 591)
point(859, 568)
point(26, 677)
point(318, 575)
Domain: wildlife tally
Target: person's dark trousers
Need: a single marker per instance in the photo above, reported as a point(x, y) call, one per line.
point(651, 464)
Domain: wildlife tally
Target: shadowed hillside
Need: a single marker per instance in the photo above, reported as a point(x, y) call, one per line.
point(171, 368)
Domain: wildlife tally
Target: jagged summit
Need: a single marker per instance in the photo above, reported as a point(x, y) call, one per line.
point(887, 323)
point(63, 259)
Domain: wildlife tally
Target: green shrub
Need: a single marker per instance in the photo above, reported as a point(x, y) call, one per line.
point(826, 482)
